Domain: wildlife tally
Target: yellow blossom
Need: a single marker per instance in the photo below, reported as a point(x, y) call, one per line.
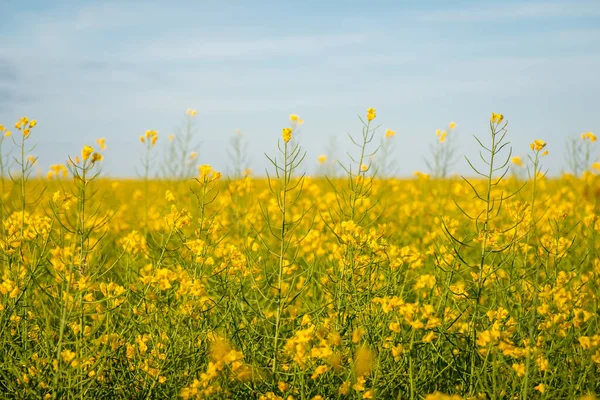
point(97, 157)
point(496, 118)
point(519, 368)
point(101, 143)
point(589, 136)
point(169, 196)
point(517, 161)
point(286, 133)
point(86, 152)
point(541, 388)
point(320, 370)
point(537, 145)
point(296, 119)
point(371, 114)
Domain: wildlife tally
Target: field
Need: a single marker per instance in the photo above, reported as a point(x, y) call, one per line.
point(200, 284)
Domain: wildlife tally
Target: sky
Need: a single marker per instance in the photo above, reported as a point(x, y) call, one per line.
point(114, 69)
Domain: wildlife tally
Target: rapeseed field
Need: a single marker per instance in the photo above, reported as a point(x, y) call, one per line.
point(348, 284)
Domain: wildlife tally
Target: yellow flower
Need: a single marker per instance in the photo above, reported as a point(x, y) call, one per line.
point(7, 133)
point(67, 355)
point(320, 370)
point(371, 114)
point(205, 170)
point(191, 112)
point(151, 133)
point(429, 337)
point(389, 133)
point(441, 135)
point(496, 118)
point(142, 139)
point(452, 125)
point(344, 388)
point(589, 136)
point(32, 159)
point(519, 368)
point(207, 174)
point(537, 145)
point(322, 159)
point(171, 137)
point(56, 170)
point(102, 143)
point(296, 119)
point(169, 196)
point(421, 175)
point(364, 360)
point(24, 125)
point(517, 161)
point(540, 388)
point(86, 152)
point(286, 133)
point(97, 157)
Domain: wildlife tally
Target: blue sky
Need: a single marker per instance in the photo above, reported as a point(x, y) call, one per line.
point(90, 69)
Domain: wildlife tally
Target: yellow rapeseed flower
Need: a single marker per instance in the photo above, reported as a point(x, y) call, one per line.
point(390, 133)
point(169, 196)
point(86, 152)
point(517, 161)
point(102, 143)
point(589, 136)
point(204, 170)
point(441, 135)
point(371, 114)
point(452, 125)
point(519, 368)
point(537, 145)
point(97, 157)
point(286, 133)
point(364, 360)
point(496, 118)
point(322, 159)
point(296, 119)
